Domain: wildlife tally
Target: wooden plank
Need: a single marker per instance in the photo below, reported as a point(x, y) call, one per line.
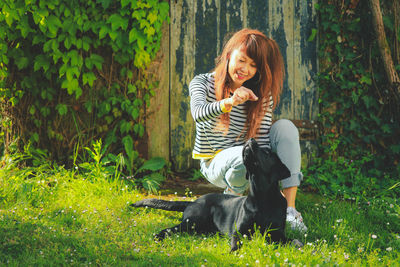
point(182, 66)
point(208, 35)
point(280, 28)
point(305, 68)
point(157, 114)
point(305, 60)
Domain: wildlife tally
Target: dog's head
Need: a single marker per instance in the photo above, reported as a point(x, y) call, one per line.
point(263, 164)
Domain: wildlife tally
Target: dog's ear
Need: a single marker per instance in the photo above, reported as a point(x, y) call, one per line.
point(283, 171)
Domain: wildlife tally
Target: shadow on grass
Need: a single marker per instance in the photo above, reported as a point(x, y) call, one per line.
point(34, 243)
point(29, 243)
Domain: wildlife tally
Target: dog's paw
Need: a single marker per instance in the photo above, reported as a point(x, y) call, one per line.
point(296, 243)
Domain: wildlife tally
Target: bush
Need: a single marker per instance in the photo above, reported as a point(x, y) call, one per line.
point(73, 72)
point(359, 113)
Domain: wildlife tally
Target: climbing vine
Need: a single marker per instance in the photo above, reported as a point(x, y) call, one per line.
point(359, 112)
point(74, 71)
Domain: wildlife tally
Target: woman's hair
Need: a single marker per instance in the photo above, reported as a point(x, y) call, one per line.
point(266, 83)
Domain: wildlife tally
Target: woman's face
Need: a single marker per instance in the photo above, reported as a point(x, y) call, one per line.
point(241, 68)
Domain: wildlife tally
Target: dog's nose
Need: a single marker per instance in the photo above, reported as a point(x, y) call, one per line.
point(253, 143)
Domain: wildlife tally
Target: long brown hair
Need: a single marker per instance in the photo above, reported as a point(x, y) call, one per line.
point(267, 82)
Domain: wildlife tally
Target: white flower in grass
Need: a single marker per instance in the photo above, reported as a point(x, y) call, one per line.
point(389, 249)
point(374, 236)
point(339, 220)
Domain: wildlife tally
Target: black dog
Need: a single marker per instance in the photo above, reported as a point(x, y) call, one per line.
point(263, 208)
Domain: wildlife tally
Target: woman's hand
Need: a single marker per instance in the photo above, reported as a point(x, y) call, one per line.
point(240, 95)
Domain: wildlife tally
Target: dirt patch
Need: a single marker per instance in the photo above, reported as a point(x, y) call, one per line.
point(176, 185)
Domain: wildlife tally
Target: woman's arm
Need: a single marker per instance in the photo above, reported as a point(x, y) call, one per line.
point(201, 109)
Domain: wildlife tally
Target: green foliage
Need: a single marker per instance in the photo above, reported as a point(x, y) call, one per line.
point(74, 72)
point(100, 167)
point(195, 175)
point(151, 175)
point(359, 112)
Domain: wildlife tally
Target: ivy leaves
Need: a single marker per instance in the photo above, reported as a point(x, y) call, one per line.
point(74, 56)
point(356, 110)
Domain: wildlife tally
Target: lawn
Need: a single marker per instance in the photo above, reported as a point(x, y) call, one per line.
point(53, 216)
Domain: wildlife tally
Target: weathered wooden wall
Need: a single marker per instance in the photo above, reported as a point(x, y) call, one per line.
point(192, 41)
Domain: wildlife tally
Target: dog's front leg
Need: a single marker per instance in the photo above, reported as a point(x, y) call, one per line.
point(235, 242)
point(277, 236)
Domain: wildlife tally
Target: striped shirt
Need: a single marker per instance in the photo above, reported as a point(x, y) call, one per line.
point(206, 110)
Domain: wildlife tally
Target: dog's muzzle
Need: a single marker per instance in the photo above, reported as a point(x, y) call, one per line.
point(249, 152)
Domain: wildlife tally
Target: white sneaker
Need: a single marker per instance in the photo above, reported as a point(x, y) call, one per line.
point(293, 217)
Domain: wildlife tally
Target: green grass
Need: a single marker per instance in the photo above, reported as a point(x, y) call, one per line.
point(53, 216)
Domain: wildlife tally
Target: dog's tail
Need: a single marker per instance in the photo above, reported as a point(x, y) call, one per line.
point(163, 204)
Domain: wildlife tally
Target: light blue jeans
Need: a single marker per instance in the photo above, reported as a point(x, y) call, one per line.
point(226, 169)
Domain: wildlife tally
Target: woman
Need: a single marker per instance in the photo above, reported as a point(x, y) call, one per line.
point(235, 103)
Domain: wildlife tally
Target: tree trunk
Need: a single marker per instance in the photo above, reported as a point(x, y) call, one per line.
point(384, 48)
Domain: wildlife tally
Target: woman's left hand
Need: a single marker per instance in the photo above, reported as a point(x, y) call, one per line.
point(243, 94)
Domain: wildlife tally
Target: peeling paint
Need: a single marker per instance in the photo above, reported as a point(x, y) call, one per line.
point(243, 13)
point(182, 38)
point(218, 5)
point(228, 26)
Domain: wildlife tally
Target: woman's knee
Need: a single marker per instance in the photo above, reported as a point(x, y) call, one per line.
point(284, 129)
point(235, 177)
